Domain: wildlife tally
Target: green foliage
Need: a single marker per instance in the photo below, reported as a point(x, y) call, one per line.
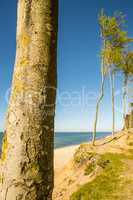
point(106, 184)
point(114, 42)
point(90, 168)
point(115, 39)
point(108, 161)
point(111, 28)
point(108, 25)
point(111, 55)
point(127, 63)
point(130, 153)
point(82, 155)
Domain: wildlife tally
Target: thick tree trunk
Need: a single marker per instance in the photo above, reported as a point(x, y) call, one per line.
point(27, 152)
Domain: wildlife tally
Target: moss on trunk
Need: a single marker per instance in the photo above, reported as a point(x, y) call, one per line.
point(27, 152)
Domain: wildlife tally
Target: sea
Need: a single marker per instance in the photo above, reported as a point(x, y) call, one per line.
point(64, 139)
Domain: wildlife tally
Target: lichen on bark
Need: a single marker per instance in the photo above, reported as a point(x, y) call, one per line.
point(23, 40)
point(4, 147)
point(27, 152)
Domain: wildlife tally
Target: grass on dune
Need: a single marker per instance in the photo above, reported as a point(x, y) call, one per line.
point(106, 185)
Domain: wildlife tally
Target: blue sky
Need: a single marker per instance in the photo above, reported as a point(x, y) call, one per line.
point(78, 62)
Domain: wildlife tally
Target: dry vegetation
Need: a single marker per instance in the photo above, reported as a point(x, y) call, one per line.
point(98, 172)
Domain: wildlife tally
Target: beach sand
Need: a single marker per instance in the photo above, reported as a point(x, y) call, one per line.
point(62, 156)
point(70, 176)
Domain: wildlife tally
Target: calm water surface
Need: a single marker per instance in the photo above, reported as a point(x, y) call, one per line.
point(63, 139)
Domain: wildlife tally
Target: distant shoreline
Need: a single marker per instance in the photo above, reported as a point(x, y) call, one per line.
point(67, 139)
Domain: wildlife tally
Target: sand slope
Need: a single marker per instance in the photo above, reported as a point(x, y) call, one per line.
point(69, 177)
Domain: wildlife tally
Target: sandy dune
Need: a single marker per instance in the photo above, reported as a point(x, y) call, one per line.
point(62, 156)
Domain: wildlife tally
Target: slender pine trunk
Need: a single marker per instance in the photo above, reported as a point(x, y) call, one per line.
point(125, 96)
point(27, 150)
point(98, 104)
point(112, 76)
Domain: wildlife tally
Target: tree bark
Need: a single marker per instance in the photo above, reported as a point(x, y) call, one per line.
point(125, 95)
point(127, 121)
point(98, 104)
point(113, 101)
point(131, 119)
point(27, 150)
